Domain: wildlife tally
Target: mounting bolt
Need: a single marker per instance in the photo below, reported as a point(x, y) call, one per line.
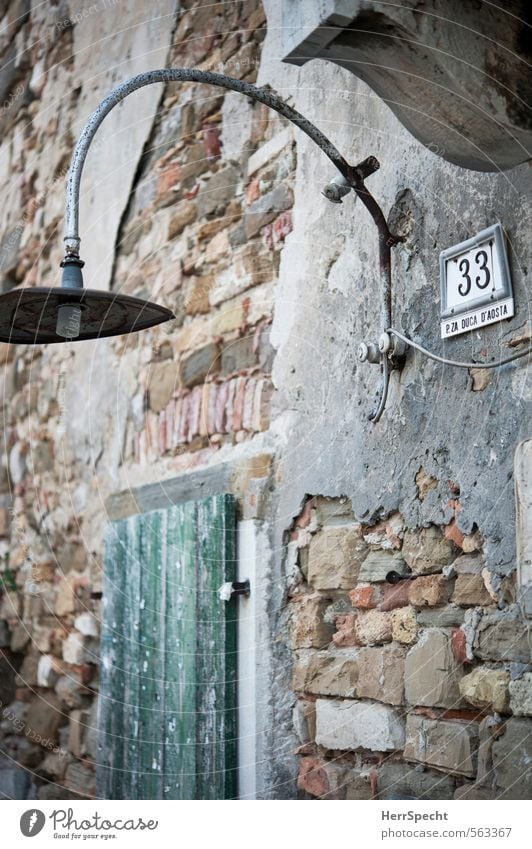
point(368, 352)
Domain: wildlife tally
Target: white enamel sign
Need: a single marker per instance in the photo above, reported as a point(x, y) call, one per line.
point(476, 288)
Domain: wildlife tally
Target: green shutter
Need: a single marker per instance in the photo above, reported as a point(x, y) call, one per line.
point(167, 716)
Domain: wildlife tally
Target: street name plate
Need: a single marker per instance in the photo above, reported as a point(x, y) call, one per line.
point(476, 287)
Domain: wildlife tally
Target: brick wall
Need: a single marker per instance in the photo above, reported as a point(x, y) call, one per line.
point(416, 689)
point(202, 232)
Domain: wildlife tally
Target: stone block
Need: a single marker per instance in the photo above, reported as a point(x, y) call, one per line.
point(46, 672)
point(468, 564)
point(80, 778)
point(511, 760)
point(76, 732)
point(74, 648)
point(429, 591)
point(487, 689)
point(444, 744)
point(358, 725)
point(440, 617)
point(474, 793)
point(217, 192)
point(335, 555)
point(186, 213)
point(304, 720)
point(378, 563)
point(404, 625)
point(308, 628)
point(70, 688)
point(162, 383)
point(86, 624)
point(10, 605)
point(432, 673)
point(381, 674)
point(503, 635)
point(345, 634)
point(199, 364)
point(198, 293)
point(20, 637)
point(396, 780)
point(266, 208)
point(427, 550)
point(521, 695)
point(44, 717)
point(326, 674)
point(470, 590)
point(373, 627)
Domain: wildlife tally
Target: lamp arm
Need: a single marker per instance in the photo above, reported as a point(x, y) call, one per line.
point(354, 175)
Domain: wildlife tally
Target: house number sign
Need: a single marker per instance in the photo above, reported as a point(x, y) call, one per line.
point(476, 287)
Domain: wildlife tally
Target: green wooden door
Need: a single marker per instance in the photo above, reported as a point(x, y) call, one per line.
point(167, 708)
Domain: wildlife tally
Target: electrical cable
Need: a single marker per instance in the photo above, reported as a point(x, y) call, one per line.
point(447, 362)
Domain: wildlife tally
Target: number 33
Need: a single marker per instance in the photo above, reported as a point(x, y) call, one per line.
point(481, 260)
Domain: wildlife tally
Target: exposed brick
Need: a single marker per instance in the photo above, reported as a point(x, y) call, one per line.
point(470, 590)
point(373, 626)
point(358, 725)
point(317, 777)
point(432, 673)
point(459, 645)
point(381, 674)
point(487, 689)
point(447, 745)
point(395, 595)
point(345, 634)
point(335, 556)
point(308, 628)
point(429, 590)
point(364, 598)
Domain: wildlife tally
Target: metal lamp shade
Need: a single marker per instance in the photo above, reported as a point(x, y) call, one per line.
point(29, 316)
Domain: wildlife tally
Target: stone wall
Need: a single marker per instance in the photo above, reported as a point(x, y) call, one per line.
point(414, 689)
point(185, 200)
point(212, 206)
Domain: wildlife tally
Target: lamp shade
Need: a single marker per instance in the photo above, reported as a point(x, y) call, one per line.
point(33, 316)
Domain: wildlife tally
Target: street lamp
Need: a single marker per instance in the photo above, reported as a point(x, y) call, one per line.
point(70, 312)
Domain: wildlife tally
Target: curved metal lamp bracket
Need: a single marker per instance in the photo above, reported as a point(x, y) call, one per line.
point(350, 177)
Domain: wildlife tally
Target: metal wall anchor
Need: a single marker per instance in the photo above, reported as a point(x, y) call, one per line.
point(232, 588)
point(395, 577)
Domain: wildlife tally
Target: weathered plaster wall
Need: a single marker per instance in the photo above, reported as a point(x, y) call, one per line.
point(452, 429)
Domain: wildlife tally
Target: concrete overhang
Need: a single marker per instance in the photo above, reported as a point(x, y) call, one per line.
point(456, 74)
